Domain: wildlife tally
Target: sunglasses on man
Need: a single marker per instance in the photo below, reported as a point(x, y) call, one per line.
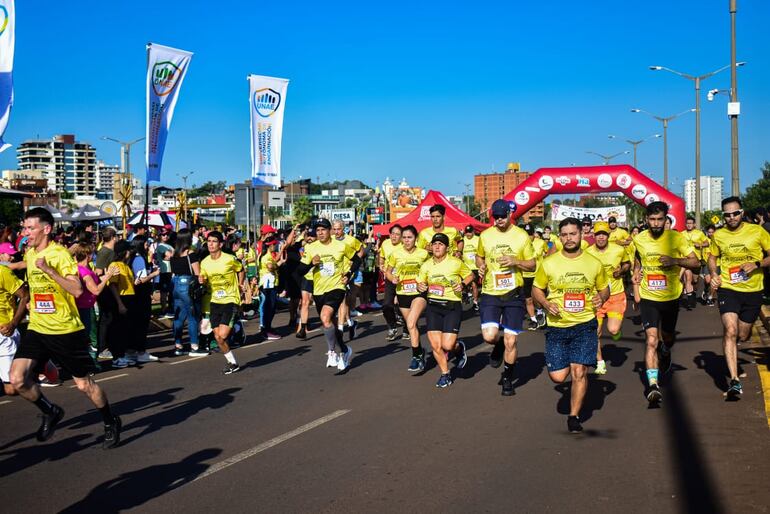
point(733, 214)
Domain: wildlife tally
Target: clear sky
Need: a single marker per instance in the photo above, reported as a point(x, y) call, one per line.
point(434, 92)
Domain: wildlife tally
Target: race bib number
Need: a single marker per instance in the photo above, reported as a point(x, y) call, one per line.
point(410, 286)
point(435, 290)
point(504, 280)
point(574, 302)
point(220, 293)
point(44, 303)
point(737, 275)
point(657, 282)
point(327, 269)
point(267, 281)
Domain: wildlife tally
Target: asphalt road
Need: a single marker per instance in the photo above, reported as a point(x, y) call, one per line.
point(286, 434)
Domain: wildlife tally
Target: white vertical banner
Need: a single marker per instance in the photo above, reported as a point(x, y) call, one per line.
point(7, 44)
point(267, 98)
point(166, 69)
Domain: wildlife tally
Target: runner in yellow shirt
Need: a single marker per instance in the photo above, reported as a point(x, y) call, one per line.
point(437, 213)
point(618, 235)
point(660, 254)
point(699, 242)
point(470, 245)
point(577, 286)
point(223, 275)
point(55, 330)
point(306, 287)
point(504, 252)
point(442, 277)
point(343, 316)
point(742, 249)
point(709, 292)
point(388, 303)
point(540, 248)
point(614, 259)
point(14, 297)
point(401, 270)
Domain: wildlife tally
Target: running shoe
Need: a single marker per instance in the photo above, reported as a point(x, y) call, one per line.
point(169, 315)
point(302, 333)
point(392, 334)
point(112, 434)
point(179, 351)
point(270, 336)
point(352, 326)
point(664, 358)
point(735, 391)
point(475, 306)
point(573, 425)
point(444, 381)
point(617, 337)
point(507, 387)
point(653, 394)
point(540, 317)
point(344, 361)
point(462, 358)
point(710, 302)
point(44, 381)
point(354, 313)
point(105, 355)
point(146, 357)
point(48, 423)
point(496, 356)
point(122, 362)
point(331, 359)
point(405, 334)
point(415, 365)
point(601, 368)
point(532, 324)
point(691, 300)
point(400, 321)
point(375, 305)
point(201, 351)
point(231, 368)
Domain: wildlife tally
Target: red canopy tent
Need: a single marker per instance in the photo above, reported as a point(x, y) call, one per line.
point(420, 216)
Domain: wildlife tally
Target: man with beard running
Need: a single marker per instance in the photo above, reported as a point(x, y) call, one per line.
point(660, 254)
point(504, 251)
point(456, 243)
point(742, 248)
point(698, 240)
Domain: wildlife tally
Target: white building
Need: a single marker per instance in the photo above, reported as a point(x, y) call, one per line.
point(105, 176)
point(68, 165)
point(711, 193)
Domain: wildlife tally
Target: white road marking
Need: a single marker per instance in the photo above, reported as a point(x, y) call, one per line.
point(105, 379)
point(187, 360)
point(272, 442)
point(4, 402)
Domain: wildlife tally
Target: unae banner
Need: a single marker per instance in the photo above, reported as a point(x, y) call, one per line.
point(166, 69)
point(267, 98)
point(7, 43)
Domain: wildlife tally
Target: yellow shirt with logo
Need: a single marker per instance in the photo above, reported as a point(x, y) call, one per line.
point(52, 309)
point(267, 278)
point(352, 242)
point(658, 283)
point(406, 266)
point(426, 234)
point(619, 234)
point(9, 284)
point(222, 278)
point(541, 248)
point(748, 243)
point(571, 284)
point(441, 276)
point(696, 236)
point(124, 280)
point(386, 248)
point(611, 258)
point(513, 242)
point(335, 258)
point(470, 245)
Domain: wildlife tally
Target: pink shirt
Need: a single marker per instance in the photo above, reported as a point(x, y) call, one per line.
point(87, 299)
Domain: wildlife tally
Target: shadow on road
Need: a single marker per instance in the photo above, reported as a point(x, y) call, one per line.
point(276, 356)
point(136, 488)
point(370, 354)
point(29, 456)
point(528, 368)
point(614, 355)
point(598, 390)
point(715, 366)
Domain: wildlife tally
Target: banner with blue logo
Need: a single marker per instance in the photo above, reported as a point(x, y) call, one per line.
point(267, 98)
point(7, 42)
point(166, 69)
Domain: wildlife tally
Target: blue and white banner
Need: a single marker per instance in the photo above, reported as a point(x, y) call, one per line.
point(166, 69)
point(7, 43)
point(267, 98)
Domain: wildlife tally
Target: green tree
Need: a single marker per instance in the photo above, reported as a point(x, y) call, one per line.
point(758, 194)
point(273, 213)
point(302, 209)
point(208, 188)
point(10, 210)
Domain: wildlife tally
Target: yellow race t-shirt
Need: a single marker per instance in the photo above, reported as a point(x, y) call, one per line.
point(441, 276)
point(386, 248)
point(470, 245)
point(426, 234)
point(493, 244)
point(9, 284)
point(658, 283)
point(747, 243)
point(52, 309)
point(541, 248)
point(619, 234)
point(571, 284)
point(267, 278)
point(335, 257)
point(406, 266)
point(352, 242)
point(124, 280)
point(222, 278)
point(611, 258)
point(696, 236)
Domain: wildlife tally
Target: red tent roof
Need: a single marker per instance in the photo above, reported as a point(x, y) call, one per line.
point(420, 216)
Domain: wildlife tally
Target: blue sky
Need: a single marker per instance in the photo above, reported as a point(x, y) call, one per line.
point(434, 92)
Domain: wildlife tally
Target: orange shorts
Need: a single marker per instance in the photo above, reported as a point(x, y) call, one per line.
point(614, 307)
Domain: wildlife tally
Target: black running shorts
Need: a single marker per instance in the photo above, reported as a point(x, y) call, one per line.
point(444, 317)
point(655, 313)
point(70, 351)
point(745, 305)
point(333, 299)
point(223, 314)
point(405, 300)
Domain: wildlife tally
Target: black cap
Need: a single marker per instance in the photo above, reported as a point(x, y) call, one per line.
point(612, 219)
point(500, 208)
point(323, 223)
point(587, 221)
point(469, 228)
point(440, 238)
point(310, 233)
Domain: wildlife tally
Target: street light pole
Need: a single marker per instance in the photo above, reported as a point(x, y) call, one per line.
point(636, 143)
point(607, 158)
point(125, 162)
point(734, 100)
point(697, 80)
point(664, 121)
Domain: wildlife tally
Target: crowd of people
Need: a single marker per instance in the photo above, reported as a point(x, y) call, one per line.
point(89, 296)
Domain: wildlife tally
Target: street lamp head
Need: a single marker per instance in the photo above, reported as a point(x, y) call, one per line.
point(636, 110)
point(611, 137)
point(657, 135)
point(711, 94)
point(742, 63)
point(656, 68)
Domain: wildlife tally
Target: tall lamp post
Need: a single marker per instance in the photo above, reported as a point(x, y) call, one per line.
point(125, 158)
point(608, 158)
point(734, 109)
point(636, 143)
point(664, 121)
point(696, 80)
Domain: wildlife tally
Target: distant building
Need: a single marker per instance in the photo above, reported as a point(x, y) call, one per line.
point(105, 176)
point(349, 189)
point(488, 187)
point(68, 165)
point(711, 191)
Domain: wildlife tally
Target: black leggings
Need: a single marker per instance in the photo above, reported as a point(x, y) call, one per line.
point(388, 306)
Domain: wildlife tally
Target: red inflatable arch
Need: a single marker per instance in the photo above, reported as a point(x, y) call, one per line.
point(595, 179)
